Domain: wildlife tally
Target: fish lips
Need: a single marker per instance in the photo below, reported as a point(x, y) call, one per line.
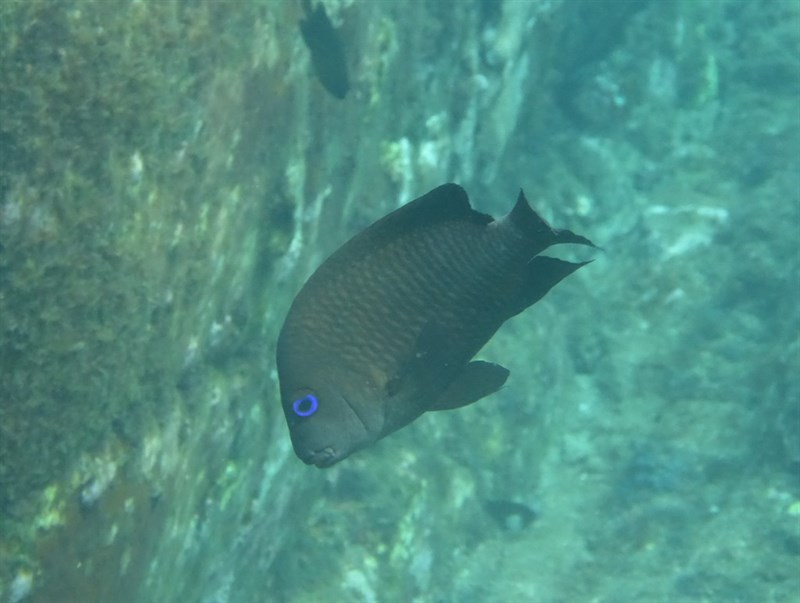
point(321, 458)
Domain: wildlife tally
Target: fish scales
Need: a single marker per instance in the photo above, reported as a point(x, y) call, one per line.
point(382, 321)
point(386, 327)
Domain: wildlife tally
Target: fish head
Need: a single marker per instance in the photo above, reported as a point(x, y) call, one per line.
point(324, 425)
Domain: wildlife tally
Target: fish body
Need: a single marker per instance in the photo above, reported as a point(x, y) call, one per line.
point(510, 515)
point(327, 51)
point(386, 327)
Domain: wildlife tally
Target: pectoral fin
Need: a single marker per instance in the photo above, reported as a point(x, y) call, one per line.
point(476, 381)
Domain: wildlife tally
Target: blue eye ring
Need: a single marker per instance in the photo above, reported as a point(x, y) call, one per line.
point(305, 406)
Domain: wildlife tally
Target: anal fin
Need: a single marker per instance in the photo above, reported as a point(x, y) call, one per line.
point(541, 274)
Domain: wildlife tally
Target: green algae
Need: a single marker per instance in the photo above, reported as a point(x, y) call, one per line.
point(112, 208)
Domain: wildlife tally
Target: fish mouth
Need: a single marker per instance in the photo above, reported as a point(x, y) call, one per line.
point(324, 457)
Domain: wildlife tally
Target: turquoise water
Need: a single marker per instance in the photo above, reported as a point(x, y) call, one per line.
point(172, 172)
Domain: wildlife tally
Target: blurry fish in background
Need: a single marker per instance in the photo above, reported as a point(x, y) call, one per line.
point(511, 516)
point(327, 52)
point(386, 328)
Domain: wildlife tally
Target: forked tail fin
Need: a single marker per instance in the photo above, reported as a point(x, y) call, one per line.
point(542, 235)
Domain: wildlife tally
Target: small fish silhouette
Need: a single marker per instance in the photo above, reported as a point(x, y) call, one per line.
point(327, 52)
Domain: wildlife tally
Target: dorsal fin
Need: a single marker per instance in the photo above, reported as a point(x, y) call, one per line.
point(445, 203)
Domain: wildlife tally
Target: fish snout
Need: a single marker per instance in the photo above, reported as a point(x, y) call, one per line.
point(321, 458)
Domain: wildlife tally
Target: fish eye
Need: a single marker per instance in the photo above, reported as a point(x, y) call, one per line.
point(305, 406)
